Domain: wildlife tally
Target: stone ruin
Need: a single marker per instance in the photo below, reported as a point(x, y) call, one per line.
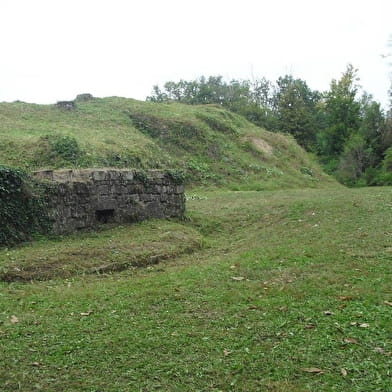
point(71, 105)
point(67, 105)
point(85, 97)
point(86, 198)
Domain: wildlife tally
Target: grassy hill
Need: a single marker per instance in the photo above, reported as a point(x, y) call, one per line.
point(209, 144)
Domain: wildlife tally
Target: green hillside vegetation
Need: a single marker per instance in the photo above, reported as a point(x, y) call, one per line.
point(347, 130)
point(208, 144)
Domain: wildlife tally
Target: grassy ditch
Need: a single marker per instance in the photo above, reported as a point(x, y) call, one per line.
point(105, 251)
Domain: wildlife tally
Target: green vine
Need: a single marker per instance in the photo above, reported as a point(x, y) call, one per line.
point(141, 176)
point(22, 207)
point(176, 175)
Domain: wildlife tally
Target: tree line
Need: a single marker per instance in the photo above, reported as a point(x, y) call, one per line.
point(349, 132)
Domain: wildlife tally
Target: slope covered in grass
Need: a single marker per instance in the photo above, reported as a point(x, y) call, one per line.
point(291, 291)
point(209, 144)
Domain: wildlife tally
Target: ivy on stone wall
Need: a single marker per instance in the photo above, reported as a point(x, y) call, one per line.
point(176, 175)
point(22, 207)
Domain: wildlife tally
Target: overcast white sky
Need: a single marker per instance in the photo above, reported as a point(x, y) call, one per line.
point(53, 50)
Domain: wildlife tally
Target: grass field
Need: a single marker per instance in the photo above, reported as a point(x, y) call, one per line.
point(277, 291)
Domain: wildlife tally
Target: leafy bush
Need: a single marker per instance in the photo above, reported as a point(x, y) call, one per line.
point(384, 178)
point(330, 165)
point(22, 211)
point(371, 176)
point(65, 146)
point(178, 176)
point(57, 151)
point(387, 162)
point(197, 169)
point(141, 176)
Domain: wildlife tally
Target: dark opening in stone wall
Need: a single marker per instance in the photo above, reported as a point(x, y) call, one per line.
point(105, 216)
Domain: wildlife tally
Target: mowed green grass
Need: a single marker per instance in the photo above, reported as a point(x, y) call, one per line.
point(290, 291)
point(110, 250)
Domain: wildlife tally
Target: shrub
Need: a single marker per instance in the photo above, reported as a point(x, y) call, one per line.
point(387, 162)
point(65, 146)
point(371, 176)
point(141, 176)
point(22, 207)
point(177, 175)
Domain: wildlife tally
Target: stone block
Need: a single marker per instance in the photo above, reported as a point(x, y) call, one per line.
point(98, 175)
point(128, 176)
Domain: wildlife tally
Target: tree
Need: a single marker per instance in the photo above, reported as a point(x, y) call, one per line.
point(354, 160)
point(342, 114)
point(295, 107)
point(373, 128)
point(250, 99)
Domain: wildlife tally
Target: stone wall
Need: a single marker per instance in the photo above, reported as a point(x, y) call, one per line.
point(80, 199)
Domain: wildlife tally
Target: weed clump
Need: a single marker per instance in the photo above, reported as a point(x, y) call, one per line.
point(58, 151)
point(65, 146)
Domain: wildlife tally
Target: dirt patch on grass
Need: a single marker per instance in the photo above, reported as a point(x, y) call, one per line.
point(262, 145)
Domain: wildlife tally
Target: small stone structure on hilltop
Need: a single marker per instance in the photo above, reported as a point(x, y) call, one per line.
point(67, 105)
point(80, 199)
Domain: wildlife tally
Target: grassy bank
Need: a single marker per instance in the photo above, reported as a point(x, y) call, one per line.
point(290, 291)
point(210, 145)
point(105, 251)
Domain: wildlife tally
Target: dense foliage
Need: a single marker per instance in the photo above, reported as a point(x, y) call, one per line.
point(21, 207)
point(349, 132)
